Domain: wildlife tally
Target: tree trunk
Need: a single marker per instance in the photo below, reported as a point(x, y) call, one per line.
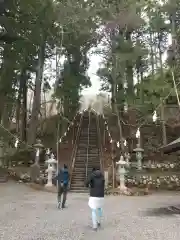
point(24, 111)
point(116, 111)
point(5, 116)
point(5, 79)
point(45, 105)
point(129, 71)
point(18, 106)
point(152, 53)
point(37, 97)
point(113, 93)
point(164, 135)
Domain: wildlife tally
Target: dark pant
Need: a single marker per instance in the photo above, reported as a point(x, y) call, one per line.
point(62, 190)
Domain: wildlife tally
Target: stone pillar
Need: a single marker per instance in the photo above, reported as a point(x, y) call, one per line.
point(139, 156)
point(121, 170)
point(1, 152)
point(106, 179)
point(51, 169)
point(38, 146)
point(47, 154)
point(50, 174)
point(35, 172)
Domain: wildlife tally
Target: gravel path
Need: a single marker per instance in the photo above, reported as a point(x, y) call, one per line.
point(26, 214)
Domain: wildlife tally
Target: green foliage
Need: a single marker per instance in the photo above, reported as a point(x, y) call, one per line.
point(134, 37)
point(66, 25)
point(135, 55)
point(156, 87)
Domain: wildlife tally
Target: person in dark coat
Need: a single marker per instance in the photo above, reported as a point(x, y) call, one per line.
point(62, 181)
point(96, 183)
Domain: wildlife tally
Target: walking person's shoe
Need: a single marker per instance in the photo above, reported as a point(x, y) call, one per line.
point(59, 205)
point(63, 206)
point(99, 224)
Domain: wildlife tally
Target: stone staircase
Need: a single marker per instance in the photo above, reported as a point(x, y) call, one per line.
point(3, 175)
point(87, 155)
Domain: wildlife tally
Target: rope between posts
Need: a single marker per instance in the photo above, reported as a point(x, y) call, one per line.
point(87, 157)
point(15, 137)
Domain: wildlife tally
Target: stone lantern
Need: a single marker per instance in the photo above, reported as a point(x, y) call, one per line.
point(35, 168)
point(47, 154)
point(139, 156)
point(51, 169)
point(122, 171)
point(38, 146)
point(1, 152)
point(127, 157)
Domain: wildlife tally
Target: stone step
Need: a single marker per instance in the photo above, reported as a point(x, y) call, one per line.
point(85, 152)
point(76, 175)
point(83, 143)
point(84, 158)
point(81, 153)
point(84, 161)
point(80, 190)
point(83, 164)
point(78, 184)
point(3, 179)
point(80, 180)
point(78, 169)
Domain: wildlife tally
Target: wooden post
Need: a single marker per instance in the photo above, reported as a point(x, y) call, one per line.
point(164, 136)
point(113, 165)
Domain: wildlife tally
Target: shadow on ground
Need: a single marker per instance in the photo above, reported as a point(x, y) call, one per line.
point(162, 211)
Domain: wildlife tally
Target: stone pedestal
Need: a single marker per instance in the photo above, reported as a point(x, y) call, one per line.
point(106, 179)
point(121, 170)
point(122, 179)
point(1, 152)
point(50, 174)
point(35, 172)
point(51, 169)
point(139, 156)
point(127, 157)
point(38, 146)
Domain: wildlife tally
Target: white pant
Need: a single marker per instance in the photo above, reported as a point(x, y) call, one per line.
point(96, 205)
point(95, 202)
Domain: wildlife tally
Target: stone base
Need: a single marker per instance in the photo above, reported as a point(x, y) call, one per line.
point(35, 186)
point(122, 188)
point(50, 188)
point(49, 185)
point(3, 179)
point(127, 192)
point(118, 191)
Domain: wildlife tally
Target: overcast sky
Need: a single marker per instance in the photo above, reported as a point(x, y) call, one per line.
point(95, 61)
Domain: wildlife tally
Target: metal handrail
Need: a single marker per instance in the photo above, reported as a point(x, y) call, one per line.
point(87, 157)
point(73, 158)
point(99, 142)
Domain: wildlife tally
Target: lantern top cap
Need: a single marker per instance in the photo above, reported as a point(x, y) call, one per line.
point(51, 161)
point(121, 161)
point(38, 144)
point(138, 149)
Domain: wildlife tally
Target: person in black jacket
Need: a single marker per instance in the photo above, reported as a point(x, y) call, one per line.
point(63, 180)
point(96, 183)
